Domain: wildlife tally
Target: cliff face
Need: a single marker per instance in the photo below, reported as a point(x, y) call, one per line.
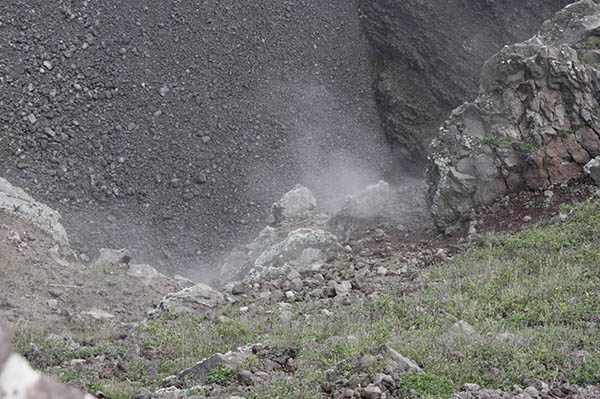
point(428, 56)
point(535, 123)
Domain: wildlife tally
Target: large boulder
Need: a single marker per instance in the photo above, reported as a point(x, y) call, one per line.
point(374, 201)
point(199, 299)
point(297, 241)
point(15, 201)
point(293, 203)
point(19, 381)
point(534, 124)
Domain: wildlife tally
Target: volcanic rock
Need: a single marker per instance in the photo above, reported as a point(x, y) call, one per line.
point(293, 203)
point(199, 299)
point(533, 125)
point(294, 245)
point(428, 56)
point(16, 201)
point(592, 169)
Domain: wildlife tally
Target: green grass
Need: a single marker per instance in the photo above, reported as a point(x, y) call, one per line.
point(532, 299)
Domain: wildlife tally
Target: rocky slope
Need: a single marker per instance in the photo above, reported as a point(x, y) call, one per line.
point(315, 316)
point(172, 129)
point(428, 55)
point(535, 124)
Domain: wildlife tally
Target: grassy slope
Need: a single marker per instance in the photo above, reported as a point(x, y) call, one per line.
point(532, 298)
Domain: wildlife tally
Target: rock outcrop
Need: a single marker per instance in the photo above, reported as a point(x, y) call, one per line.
point(19, 381)
point(534, 124)
point(428, 55)
point(16, 201)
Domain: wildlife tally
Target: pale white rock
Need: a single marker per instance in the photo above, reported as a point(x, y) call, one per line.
point(293, 203)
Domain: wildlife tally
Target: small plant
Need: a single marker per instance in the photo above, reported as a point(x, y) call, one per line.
point(222, 375)
point(565, 209)
point(528, 147)
point(497, 141)
point(529, 204)
point(548, 202)
point(566, 133)
point(427, 385)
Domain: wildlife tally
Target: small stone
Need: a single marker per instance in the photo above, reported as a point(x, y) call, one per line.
point(527, 219)
point(48, 65)
point(31, 118)
point(462, 328)
point(171, 381)
point(382, 271)
point(163, 91)
point(371, 392)
point(470, 387)
point(290, 294)
point(77, 364)
point(98, 314)
point(205, 139)
point(238, 289)
point(52, 304)
point(245, 377)
point(384, 380)
point(532, 391)
point(562, 217)
point(244, 309)
point(549, 193)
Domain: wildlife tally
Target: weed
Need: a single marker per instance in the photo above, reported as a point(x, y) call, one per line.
point(222, 375)
point(427, 385)
point(497, 141)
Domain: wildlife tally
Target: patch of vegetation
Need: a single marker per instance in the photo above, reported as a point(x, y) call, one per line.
point(531, 298)
point(426, 385)
point(528, 146)
point(222, 375)
point(566, 133)
point(590, 45)
point(497, 141)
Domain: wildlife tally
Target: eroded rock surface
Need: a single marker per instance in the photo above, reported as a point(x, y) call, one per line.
point(534, 124)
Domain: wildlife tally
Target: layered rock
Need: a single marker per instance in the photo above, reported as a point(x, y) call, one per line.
point(19, 381)
point(534, 124)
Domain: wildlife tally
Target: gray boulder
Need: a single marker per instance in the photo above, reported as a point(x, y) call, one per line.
point(112, 257)
point(201, 370)
point(533, 125)
point(15, 201)
point(18, 380)
point(293, 203)
point(374, 201)
point(292, 248)
point(145, 273)
point(200, 299)
point(592, 169)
